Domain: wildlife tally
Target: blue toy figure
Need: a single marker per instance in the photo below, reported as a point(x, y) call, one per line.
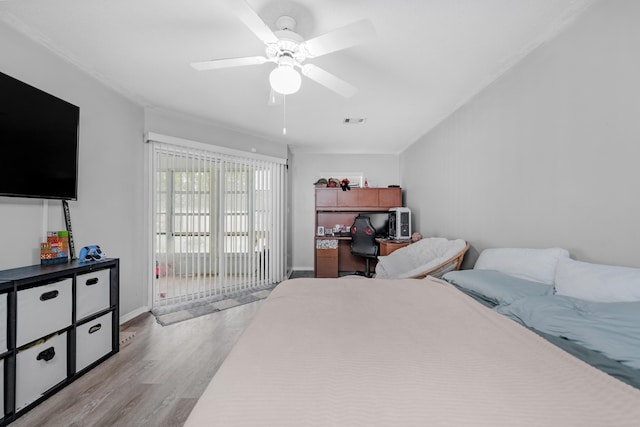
point(91, 253)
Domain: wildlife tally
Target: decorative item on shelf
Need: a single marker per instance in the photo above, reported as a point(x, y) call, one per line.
point(56, 249)
point(416, 236)
point(91, 253)
point(333, 183)
point(322, 182)
point(320, 231)
point(356, 179)
point(344, 184)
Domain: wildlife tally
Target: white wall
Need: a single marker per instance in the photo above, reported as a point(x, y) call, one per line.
point(194, 129)
point(381, 170)
point(109, 207)
point(547, 155)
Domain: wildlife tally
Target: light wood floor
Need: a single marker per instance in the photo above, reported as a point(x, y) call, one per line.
point(155, 379)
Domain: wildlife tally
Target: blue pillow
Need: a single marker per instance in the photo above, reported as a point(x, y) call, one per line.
point(496, 287)
point(612, 329)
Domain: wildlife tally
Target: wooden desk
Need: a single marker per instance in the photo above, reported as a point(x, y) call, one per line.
point(333, 255)
point(334, 206)
point(388, 246)
point(326, 260)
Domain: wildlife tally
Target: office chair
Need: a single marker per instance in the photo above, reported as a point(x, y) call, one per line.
point(363, 241)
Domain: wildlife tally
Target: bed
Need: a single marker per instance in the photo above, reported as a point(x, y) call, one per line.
point(590, 310)
point(361, 352)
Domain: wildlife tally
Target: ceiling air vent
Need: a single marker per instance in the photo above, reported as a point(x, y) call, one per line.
point(354, 120)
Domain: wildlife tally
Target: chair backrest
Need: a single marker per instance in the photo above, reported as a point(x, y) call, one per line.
point(363, 237)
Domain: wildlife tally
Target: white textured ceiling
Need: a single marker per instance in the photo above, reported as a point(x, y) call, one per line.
point(429, 58)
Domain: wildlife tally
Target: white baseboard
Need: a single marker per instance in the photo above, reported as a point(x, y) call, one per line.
point(132, 314)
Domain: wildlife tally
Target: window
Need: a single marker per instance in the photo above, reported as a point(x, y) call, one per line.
point(218, 223)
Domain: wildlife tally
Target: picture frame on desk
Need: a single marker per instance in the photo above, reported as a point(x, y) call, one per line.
point(320, 231)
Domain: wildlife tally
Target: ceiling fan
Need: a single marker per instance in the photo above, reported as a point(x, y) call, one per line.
point(288, 50)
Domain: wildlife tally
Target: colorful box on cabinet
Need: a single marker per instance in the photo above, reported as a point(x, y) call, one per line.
point(56, 249)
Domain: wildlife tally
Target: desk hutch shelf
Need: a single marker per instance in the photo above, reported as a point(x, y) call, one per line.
point(335, 206)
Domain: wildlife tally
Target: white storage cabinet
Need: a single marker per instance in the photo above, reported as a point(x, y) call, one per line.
point(3, 323)
point(2, 388)
point(40, 367)
point(93, 340)
point(3, 345)
point(43, 310)
point(92, 293)
point(56, 323)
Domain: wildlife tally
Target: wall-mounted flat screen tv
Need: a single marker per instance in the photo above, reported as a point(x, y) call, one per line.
point(38, 143)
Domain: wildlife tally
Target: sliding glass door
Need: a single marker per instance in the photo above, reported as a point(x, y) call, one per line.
point(218, 223)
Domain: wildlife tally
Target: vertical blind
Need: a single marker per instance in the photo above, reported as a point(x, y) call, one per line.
point(218, 223)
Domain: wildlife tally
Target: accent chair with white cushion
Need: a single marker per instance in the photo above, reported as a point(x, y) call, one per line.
point(432, 256)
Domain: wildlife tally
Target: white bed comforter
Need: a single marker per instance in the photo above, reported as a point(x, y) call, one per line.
point(346, 352)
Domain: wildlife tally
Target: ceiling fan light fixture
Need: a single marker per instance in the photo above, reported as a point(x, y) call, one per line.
point(285, 79)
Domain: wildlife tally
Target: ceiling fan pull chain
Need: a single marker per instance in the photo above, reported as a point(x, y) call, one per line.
point(284, 114)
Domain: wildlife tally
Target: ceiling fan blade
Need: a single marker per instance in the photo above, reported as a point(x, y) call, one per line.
point(215, 64)
point(342, 38)
point(328, 80)
point(275, 98)
point(251, 19)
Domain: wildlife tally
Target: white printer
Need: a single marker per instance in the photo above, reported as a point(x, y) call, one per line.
point(400, 223)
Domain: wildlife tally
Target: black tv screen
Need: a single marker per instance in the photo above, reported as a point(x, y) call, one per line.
point(39, 143)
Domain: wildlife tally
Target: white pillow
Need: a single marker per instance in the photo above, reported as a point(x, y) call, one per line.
point(597, 282)
point(538, 265)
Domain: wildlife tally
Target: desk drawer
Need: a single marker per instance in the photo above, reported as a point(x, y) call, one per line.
point(39, 368)
point(92, 292)
point(93, 340)
point(43, 310)
point(327, 262)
